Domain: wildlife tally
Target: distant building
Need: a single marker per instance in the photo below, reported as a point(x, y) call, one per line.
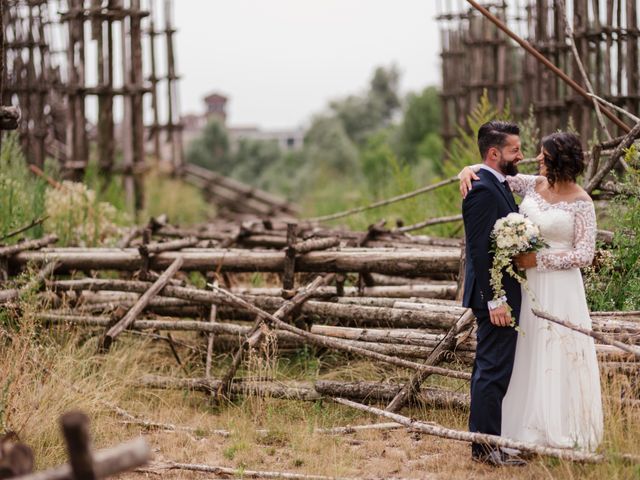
point(287, 139)
point(216, 107)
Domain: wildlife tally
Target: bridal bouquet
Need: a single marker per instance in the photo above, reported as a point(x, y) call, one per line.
point(511, 235)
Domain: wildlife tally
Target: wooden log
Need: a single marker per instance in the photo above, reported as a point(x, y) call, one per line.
point(230, 336)
point(358, 428)
point(447, 344)
point(289, 267)
point(376, 392)
point(28, 245)
point(142, 302)
point(34, 284)
point(494, 440)
point(75, 428)
point(389, 201)
point(238, 187)
point(341, 345)
point(410, 263)
point(154, 248)
point(230, 472)
point(287, 390)
point(598, 336)
point(353, 313)
point(370, 392)
point(444, 290)
point(256, 334)
point(313, 245)
point(611, 161)
point(428, 223)
point(212, 319)
point(107, 462)
point(130, 236)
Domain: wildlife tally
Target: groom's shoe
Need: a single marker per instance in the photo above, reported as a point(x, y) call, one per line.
point(499, 458)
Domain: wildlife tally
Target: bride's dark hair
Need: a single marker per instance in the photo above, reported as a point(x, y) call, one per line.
point(563, 157)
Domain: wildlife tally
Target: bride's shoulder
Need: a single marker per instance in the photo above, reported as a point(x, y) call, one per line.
point(582, 196)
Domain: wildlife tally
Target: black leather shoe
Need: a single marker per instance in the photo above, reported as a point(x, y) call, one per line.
point(499, 458)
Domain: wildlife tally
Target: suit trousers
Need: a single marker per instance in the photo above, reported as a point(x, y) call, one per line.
point(495, 353)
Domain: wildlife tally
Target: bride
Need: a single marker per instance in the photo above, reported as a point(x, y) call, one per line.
point(553, 398)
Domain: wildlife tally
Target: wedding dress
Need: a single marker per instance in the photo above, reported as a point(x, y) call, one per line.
point(554, 396)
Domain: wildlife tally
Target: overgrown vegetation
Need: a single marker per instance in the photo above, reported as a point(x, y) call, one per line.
point(614, 282)
point(21, 195)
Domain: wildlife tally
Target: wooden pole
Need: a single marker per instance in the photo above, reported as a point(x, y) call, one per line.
point(75, 427)
point(447, 343)
point(131, 315)
point(256, 334)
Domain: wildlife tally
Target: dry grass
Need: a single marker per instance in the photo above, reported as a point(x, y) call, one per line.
point(48, 371)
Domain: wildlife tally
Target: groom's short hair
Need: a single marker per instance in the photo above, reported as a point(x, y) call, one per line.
point(494, 134)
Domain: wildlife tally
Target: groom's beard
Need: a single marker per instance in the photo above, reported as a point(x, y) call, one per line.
point(508, 168)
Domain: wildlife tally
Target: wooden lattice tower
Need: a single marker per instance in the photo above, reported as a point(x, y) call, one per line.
point(62, 55)
point(477, 57)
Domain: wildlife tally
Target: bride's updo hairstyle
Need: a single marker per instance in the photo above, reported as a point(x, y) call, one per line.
point(563, 157)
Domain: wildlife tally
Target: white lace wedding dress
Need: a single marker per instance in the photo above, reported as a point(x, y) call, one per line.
point(554, 396)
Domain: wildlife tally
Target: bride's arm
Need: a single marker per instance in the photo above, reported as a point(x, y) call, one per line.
point(466, 176)
point(520, 184)
point(584, 243)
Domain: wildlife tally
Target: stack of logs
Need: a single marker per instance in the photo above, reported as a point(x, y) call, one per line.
point(379, 294)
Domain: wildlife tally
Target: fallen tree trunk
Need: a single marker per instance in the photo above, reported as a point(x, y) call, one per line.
point(27, 245)
point(140, 305)
point(447, 344)
point(225, 472)
point(598, 336)
point(371, 392)
point(494, 440)
point(255, 335)
point(411, 263)
point(340, 345)
point(353, 313)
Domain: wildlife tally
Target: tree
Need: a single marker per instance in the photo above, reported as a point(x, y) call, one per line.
point(253, 158)
point(422, 117)
point(361, 115)
point(211, 149)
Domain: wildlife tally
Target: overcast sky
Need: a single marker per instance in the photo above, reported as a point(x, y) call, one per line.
point(280, 61)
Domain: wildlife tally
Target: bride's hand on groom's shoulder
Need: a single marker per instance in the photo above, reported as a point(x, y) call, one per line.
point(466, 176)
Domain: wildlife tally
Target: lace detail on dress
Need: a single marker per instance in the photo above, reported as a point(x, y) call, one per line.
point(522, 184)
point(584, 239)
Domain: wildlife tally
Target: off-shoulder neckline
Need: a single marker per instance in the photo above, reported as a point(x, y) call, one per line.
point(562, 202)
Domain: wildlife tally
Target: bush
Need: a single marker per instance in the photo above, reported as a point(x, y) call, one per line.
point(614, 283)
point(77, 217)
point(21, 193)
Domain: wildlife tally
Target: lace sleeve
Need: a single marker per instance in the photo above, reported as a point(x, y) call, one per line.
point(584, 242)
point(522, 184)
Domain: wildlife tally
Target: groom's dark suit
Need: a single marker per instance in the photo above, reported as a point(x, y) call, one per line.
point(487, 201)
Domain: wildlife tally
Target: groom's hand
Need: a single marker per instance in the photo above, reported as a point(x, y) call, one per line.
point(500, 316)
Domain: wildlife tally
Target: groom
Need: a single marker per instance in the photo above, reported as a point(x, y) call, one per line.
point(489, 199)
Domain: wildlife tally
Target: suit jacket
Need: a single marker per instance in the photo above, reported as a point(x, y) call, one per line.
point(487, 201)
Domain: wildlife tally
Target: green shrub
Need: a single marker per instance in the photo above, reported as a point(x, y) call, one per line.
point(21, 192)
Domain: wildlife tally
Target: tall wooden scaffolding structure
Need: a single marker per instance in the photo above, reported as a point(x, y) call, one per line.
point(60, 54)
point(476, 56)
